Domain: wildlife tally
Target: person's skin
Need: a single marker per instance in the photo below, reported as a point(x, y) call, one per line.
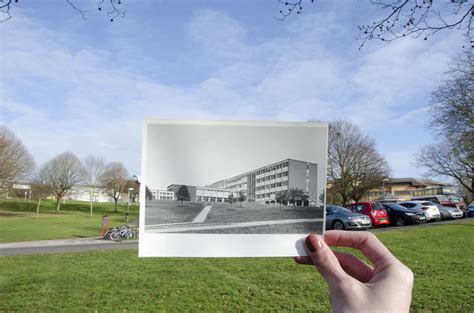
point(355, 286)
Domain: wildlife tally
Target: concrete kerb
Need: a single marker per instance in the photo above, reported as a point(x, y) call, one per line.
point(60, 242)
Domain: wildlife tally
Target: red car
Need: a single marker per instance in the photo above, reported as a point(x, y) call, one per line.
point(374, 210)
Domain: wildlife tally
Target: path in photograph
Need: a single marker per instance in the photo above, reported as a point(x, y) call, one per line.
point(222, 218)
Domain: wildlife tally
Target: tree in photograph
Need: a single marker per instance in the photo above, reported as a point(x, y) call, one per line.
point(354, 165)
point(241, 197)
point(16, 163)
point(114, 180)
point(183, 194)
point(404, 18)
point(452, 120)
point(282, 197)
point(94, 167)
point(61, 174)
point(113, 8)
point(148, 194)
point(231, 198)
point(296, 194)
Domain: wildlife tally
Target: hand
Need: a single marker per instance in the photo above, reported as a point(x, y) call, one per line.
point(355, 286)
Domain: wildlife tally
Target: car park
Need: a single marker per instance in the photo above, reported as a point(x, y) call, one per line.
point(429, 208)
point(341, 218)
point(449, 213)
point(374, 210)
point(401, 216)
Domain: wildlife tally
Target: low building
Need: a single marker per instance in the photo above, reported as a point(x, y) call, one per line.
point(81, 193)
point(404, 189)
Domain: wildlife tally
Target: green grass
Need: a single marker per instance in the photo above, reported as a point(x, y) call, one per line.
point(440, 256)
point(18, 220)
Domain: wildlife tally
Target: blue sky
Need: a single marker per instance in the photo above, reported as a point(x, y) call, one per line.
point(85, 86)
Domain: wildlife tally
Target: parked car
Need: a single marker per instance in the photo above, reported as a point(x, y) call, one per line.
point(449, 213)
point(400, 215)
point(429, 208)
point(448, 201)
point(470, 210)
point(339, 218)
point(374, 210)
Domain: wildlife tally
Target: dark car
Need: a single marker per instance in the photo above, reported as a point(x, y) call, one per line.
point(470, 210)
point(341, 218)
point(400, 216)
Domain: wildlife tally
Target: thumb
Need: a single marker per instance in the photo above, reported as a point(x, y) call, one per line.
point(325, 261)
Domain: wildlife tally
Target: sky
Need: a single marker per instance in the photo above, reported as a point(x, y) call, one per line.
point(68, 84)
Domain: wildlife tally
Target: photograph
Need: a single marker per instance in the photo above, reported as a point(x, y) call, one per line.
point(223, 178)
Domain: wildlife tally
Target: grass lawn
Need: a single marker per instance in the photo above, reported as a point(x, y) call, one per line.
point(440, 256)
point(18, 220)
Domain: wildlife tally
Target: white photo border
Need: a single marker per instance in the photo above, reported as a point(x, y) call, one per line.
point(220, 245)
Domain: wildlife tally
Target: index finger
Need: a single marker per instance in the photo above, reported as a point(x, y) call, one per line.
point(366, 242)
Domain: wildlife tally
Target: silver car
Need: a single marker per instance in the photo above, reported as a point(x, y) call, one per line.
point(449, 213)
point(341, 218)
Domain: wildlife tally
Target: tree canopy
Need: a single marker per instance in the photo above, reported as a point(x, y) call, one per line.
point(452, 121)
point(16, 163)
point(354, 164)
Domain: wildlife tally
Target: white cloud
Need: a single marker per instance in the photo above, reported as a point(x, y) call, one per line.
point(61, 97)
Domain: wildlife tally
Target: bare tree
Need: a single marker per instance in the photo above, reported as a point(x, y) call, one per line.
point(16, 162)
point(452, 103)
point(94, 167)
point(114, 179)
point(452, 120)
point(61, 174)
point(113, 8)
point(354, 165)
point(403, 18)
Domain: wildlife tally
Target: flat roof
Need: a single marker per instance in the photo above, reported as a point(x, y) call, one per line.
point(257, 169)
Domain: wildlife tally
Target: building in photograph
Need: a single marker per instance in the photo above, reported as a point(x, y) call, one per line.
point(260, 185)
point(162, 194)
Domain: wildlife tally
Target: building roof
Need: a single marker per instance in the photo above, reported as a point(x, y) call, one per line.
point(415, 181)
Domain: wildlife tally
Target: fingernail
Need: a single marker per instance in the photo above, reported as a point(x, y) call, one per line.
point(311, 241)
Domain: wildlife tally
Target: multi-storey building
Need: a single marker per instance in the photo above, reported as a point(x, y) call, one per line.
point(260, 185)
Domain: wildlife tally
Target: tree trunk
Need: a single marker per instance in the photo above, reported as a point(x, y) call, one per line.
point(115, 209)
point(58, 204)
point(38, 208)
point(91, 195)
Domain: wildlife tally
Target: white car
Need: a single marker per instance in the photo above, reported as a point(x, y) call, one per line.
point(429, 208)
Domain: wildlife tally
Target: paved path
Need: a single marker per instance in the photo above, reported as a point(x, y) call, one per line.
point(64, 245)
point(233, 225)
point(200, 218)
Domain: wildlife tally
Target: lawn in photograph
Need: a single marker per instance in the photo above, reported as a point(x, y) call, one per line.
point(120, 281)
point(167, 216)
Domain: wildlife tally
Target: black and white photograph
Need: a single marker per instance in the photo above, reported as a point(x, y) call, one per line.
point(225, 178)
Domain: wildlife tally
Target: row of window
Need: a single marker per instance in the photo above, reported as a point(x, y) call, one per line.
point(266, 195)
point(165, 198)
point(270, 177)
point(279, 184)
point(272, 168)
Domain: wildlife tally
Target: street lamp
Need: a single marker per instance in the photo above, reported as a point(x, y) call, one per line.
point(383, 187)
point(128, 204)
